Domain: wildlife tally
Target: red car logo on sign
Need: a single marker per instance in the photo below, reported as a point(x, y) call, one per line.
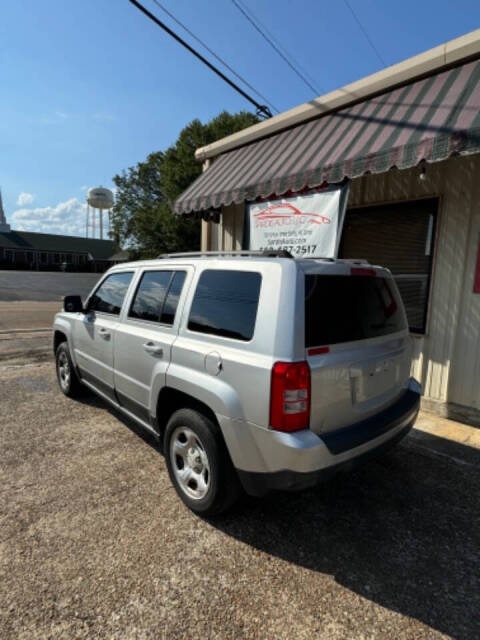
point(284, 211)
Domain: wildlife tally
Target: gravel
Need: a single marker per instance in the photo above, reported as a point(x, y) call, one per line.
point(94, 542)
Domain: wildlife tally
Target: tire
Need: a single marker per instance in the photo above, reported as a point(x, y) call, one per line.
point(67, 377)
point(199, 464)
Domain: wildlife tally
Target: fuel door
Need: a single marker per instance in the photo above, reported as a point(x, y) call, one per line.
point(213, 363)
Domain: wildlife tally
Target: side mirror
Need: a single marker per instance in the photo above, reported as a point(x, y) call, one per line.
point(73, 304)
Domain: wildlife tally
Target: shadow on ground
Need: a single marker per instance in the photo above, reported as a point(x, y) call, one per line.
point(403, 532)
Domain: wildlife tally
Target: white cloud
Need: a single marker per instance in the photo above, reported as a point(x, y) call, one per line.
point(61, 114)
point(66, 218)
point(25, 198)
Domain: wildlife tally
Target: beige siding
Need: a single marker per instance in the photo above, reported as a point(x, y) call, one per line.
point(464, 379)
point(229, 233)
point(440, 361)
point(447, 358)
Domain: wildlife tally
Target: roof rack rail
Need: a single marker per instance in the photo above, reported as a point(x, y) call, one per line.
point(247, 253)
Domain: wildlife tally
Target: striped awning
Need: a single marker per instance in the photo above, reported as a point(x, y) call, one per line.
point(429, 119)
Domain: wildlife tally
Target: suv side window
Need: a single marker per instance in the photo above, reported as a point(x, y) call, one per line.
point(225, 303)
point(109, 296)
point(173, 295)
point(157, 296)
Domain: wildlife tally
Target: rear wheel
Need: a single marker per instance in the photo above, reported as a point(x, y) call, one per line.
point(66, 374)
point(198, 463)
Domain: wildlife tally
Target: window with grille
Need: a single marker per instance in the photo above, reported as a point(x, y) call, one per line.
point(401, 237)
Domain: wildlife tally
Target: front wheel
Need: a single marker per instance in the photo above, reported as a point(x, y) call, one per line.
point(66, 374)
point(198, 463)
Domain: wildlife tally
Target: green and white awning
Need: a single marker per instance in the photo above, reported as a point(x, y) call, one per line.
point(430, 119)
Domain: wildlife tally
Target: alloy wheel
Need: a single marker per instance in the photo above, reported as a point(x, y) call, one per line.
point(190, 463)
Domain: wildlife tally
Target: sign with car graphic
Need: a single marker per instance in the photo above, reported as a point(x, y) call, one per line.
point(306, 225)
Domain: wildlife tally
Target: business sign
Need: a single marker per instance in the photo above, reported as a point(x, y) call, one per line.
point(307, 225)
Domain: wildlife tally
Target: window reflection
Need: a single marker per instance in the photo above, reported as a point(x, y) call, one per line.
point(108, 298)
point(157, 296)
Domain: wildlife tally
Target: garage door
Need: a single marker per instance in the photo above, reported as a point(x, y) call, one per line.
point(401, 237)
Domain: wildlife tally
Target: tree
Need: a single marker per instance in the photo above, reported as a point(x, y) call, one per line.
point(143, 219)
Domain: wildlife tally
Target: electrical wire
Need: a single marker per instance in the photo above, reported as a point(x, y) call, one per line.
point(282, 48)
point(261, 109)
point(253, 21)
point(225, 64)
point(364, 31)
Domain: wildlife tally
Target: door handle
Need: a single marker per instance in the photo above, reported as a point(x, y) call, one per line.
point(104, 333)
point(154, 349)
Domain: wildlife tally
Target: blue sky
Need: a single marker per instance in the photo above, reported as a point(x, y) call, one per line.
point(91, 87)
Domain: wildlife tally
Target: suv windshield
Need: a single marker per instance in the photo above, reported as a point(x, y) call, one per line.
point(348, 308)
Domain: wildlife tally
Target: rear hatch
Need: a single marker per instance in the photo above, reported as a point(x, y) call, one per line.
point(356, 341)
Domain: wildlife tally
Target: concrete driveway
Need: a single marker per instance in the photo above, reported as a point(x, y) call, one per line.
point(95, 543)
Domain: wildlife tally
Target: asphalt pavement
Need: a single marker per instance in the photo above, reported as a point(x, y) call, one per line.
point(30, 299)
point(44, 285)
point(94, 542)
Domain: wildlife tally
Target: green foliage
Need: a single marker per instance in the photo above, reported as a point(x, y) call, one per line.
point(143, 220)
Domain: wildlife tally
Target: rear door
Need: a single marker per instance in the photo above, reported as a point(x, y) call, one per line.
point(357, 345)
point(145, 337)
point(94, 332)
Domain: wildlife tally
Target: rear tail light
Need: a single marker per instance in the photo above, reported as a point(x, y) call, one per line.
point(290, 396)
point(318, 351)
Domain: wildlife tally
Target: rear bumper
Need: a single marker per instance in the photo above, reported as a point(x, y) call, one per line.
point(276, 460)
point(259, 484)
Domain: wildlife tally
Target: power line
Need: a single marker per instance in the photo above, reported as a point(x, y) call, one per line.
point(274, 46)
point(364, 31)
point(283, 48)
point(225, 64)
point(262, 110)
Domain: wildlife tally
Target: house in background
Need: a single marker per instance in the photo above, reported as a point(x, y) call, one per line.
point(408, 138)
point(51, 252)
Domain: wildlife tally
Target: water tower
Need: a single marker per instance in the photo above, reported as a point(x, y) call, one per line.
point(99, 200)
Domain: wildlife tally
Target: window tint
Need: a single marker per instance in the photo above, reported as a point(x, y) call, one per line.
point(347, 308)
point(108, 298)
point(171, 301)
point(150, 295)
point(225, 303)
point(157, 296)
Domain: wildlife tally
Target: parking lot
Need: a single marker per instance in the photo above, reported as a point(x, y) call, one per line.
point(95, 543)
point(30, 299)
point(43, 285)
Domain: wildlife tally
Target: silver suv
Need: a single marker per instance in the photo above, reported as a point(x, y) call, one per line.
point(255, 371)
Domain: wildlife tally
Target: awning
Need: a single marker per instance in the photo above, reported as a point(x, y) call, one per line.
point(430, 119)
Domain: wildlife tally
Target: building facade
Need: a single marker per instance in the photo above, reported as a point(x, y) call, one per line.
point(409, 142)
point(50, 252)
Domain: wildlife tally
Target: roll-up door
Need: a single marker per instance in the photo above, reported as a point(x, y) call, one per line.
point(401, 237)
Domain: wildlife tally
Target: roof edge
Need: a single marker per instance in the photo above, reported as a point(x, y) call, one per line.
point(56, 235)
point(446, 54)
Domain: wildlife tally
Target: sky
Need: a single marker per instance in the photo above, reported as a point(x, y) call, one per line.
point(92, 87)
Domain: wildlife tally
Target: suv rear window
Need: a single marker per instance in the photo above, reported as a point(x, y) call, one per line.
point(348, 308)
point(225, 303)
